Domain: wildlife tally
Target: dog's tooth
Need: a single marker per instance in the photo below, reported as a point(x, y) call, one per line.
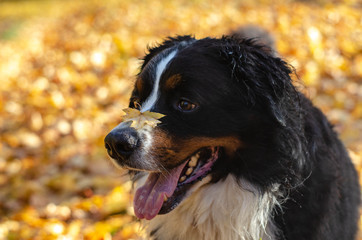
point(183, 178)
point(193, 161)
point(165, 198)
point(189, 171)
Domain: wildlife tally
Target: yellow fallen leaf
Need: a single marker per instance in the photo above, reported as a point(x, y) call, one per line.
point(141, 119)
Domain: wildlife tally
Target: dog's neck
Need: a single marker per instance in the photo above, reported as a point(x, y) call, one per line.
point(225, 210)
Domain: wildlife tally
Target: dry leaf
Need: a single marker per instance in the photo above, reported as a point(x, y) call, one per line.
point(141, 119)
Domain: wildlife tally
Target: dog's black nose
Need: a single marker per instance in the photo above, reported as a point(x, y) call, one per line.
point(121, 143)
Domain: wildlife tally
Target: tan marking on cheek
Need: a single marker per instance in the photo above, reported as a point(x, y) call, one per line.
point(173, 81)
point(230, 144)
point(171, 152)
point(168, 151)
point(162, 149)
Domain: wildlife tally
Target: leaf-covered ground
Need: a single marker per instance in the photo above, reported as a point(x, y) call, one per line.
point(66, 68)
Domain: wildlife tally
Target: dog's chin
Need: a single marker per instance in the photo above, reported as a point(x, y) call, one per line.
point(164, 191)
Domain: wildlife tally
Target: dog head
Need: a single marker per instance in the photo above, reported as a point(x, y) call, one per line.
point(226, 104)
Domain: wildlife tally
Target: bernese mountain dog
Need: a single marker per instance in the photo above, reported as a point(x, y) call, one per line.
point(239, 153)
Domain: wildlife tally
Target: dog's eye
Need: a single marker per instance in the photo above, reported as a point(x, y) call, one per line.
point(186, 106)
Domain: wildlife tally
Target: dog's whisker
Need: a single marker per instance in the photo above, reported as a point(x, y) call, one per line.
point(164, 171)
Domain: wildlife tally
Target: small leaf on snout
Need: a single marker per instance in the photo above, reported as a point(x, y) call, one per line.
point(141, 119)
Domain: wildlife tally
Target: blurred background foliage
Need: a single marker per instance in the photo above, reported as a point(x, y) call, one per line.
point(66, 70)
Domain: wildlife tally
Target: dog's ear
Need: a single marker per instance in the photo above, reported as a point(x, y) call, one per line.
point(277, 112)
point(283, 97)
point(263, 78)
point(167, 43)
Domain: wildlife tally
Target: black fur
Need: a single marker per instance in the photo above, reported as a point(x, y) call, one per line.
point(246, 92)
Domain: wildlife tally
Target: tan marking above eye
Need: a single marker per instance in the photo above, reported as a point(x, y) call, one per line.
point(173, 81)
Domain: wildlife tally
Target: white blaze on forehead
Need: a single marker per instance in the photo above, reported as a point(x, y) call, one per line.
point(160, 68)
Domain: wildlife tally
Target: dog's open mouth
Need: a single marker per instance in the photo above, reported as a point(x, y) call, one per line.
point(163, 191)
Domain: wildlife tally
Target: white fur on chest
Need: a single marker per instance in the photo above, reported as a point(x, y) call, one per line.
point(224, 210)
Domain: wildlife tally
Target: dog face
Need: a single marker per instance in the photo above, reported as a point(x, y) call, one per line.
point(223, 101)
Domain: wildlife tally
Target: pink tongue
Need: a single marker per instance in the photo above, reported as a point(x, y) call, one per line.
point(149, 198)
